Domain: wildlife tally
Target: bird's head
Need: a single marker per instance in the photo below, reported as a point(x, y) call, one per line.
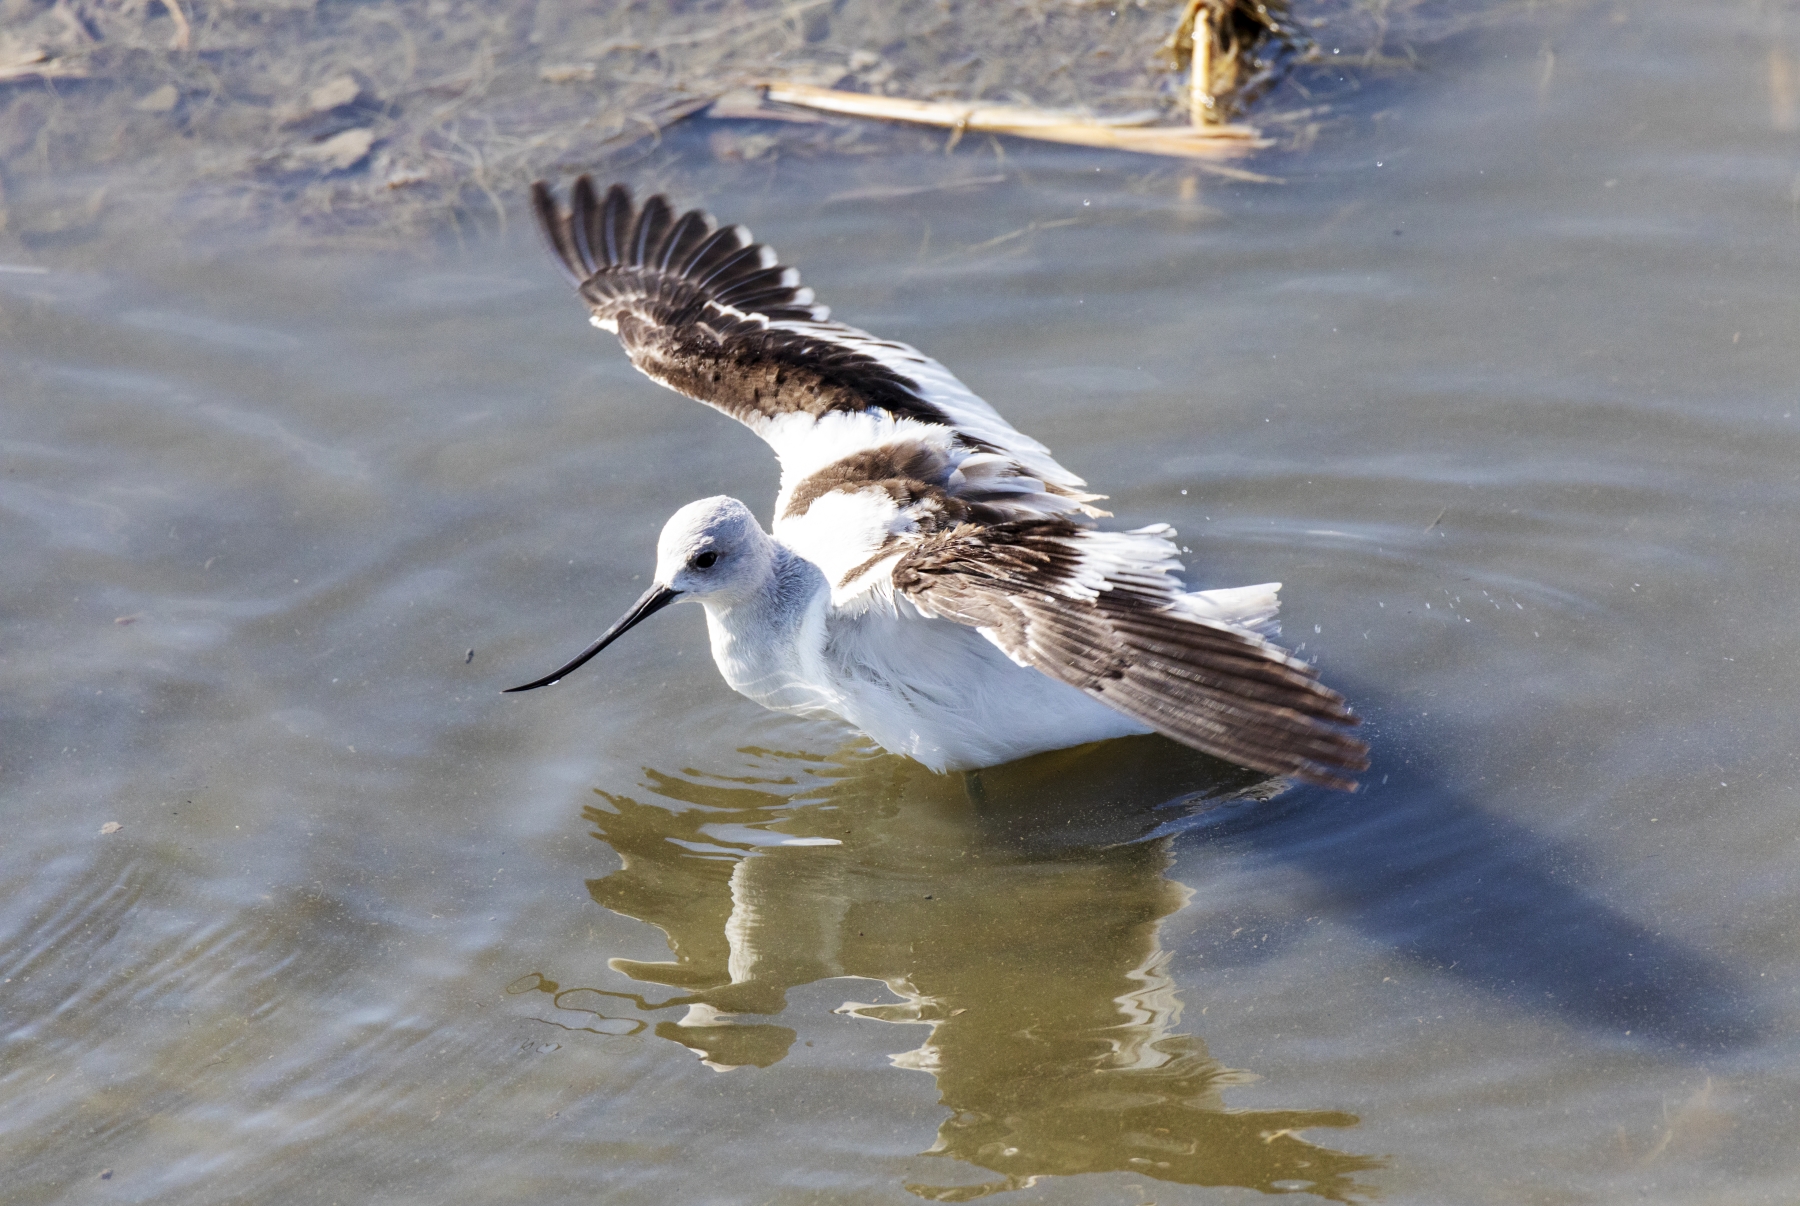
point(713, 549)
point(710, 551)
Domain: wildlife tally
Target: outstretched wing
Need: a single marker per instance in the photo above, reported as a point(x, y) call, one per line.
point(711, 314)
point(901, 484)
point(1103, 611)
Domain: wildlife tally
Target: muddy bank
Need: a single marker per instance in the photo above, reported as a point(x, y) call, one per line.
point(301, 119)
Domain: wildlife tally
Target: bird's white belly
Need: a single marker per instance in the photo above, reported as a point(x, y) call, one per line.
point(941, 693)
point(933, 690)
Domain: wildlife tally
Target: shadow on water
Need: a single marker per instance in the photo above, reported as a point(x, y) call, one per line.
point(1015, 917)
point(1419, 868)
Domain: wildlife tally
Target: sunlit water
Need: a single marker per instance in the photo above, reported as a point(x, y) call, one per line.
point(1501, 383)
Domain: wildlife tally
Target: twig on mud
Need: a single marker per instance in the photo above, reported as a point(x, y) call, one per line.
point(1217, 141)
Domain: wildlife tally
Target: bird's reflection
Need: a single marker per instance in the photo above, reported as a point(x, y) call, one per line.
point(1015, 917)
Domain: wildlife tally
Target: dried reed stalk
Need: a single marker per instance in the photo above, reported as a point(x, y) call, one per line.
point(1213, 141)
point(1233, 51)
point(1202, 104)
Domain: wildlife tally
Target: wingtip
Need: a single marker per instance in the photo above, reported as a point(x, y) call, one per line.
point(1328, 778)
point(553, 225)
point(1351, 758)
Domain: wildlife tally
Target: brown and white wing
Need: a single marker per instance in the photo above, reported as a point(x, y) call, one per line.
point(1102, 611)
point(711, 314)
point(900, 483)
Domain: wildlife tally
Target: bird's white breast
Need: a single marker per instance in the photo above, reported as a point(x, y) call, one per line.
point(933, 690)
point(762, 645)
point(941, 693)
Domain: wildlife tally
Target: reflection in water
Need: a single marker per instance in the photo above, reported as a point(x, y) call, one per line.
point(1054, 1046)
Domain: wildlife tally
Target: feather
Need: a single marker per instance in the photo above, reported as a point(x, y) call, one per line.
point(1079, 606)
point(920, 505)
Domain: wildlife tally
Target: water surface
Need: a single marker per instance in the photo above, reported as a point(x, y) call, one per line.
point(1499, 383)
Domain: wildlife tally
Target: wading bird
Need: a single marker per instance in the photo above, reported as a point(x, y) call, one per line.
point(933, 576)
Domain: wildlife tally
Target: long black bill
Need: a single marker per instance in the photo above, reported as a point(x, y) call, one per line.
point(654, 600)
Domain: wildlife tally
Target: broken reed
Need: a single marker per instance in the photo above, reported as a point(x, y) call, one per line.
point(1215, 141)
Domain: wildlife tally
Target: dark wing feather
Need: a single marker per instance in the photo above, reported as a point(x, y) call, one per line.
point(713, 315)
point(657, 267)
point(696, 306)
point(1049, 594)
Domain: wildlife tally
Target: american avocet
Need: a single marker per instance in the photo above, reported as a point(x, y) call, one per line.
point(934, 577)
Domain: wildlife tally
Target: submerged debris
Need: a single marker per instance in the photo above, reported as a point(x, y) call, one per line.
point(159, 100)
point(20, 61)
point(339, 153)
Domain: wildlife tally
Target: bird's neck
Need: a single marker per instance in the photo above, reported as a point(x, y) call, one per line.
point(759, 636)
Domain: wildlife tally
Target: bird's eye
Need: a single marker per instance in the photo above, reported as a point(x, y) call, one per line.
point(706, 560)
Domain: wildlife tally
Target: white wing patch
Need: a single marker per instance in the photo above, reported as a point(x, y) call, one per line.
point(971, 415)
point(806, 444)
point(842, 531)
point(1146, 558)
point(1252, 609)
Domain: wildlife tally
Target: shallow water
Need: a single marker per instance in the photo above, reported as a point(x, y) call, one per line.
point(1500, 383)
